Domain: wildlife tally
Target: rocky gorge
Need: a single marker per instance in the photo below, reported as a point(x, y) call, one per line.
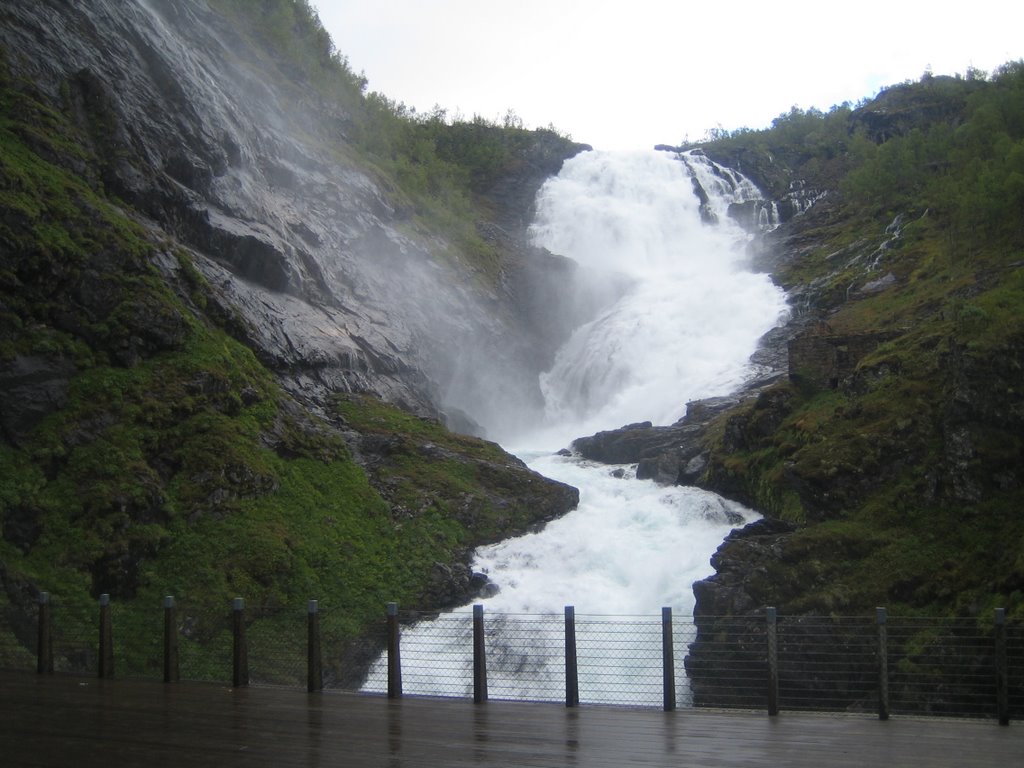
point(249, 326)
point(880, 436)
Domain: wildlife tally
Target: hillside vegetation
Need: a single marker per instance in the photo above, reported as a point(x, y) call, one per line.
point(895, 445)
point(443, 166)
point(146, 451)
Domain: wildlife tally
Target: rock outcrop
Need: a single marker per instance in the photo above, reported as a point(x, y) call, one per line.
point(198, 264)
point(886, 455)
point(336, 285)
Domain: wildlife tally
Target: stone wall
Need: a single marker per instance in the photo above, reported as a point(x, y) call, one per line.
point(828, 359)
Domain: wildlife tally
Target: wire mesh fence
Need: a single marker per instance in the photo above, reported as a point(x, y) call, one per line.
point(1015, 670)
point(901, 665)
point(727, 664)
point(620, 660)
point(137, 639)
point(17, 650)
point(525, 657)
point(277, 646)
point(922, 654)
point(436, 655)
point(828, 664)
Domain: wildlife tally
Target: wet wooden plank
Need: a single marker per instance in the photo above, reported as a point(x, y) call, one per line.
point(59, 721)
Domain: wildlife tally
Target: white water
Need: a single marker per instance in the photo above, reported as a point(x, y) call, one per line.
point(694, 314)
point(684, 330)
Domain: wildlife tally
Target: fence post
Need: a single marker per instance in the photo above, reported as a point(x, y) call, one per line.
point(773, 662)
point(394, 662)
point(668, 664)
point(479, 656)
point(572, 682)
point(240, 649)
point(314, 660)
point(882, 619)
point(1002, 669)
point(44, 639)
point(106, 649)
point(171, 669)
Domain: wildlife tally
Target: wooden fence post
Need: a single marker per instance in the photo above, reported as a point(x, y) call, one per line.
point(314, 660)
point(882, 620)
point(1002, 669)
point(572, 682)
point(773, 661)
point(172, 671)
point(106, 640)
point(479, 656)
point(240, 649)
point(394, 659)
point(668, 664)
point(44, 638)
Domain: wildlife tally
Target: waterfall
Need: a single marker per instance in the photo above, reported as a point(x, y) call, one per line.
point(693, 316)
point(684, 329)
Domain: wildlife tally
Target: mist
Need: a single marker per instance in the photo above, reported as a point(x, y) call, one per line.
point(686, 314)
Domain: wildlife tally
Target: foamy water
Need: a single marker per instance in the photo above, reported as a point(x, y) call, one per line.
point(684, 330)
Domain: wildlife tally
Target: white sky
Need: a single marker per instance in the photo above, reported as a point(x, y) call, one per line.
point(624, 74)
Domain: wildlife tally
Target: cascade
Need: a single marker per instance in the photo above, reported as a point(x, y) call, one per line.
point(684, 329)
point(693, 316)
point(728, 194)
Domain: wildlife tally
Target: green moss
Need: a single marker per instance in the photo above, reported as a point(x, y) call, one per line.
point(916, 449)
point(369, 415)
point(174, 464)
point(993, 315)
point(463, 484)
point(173, 469)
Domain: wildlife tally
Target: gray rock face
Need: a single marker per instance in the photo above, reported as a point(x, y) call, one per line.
point(335, 285)
point(675, 454)
point(669, 455)
point(31, 387)
point(730, 604)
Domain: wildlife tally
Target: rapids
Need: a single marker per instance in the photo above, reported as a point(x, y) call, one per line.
point(683, 329)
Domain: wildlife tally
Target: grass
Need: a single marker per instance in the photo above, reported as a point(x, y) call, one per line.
point(172, 463)
point(905, 476)
point(430, 473)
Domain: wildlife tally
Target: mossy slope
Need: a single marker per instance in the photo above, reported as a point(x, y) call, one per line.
point(147, 452)
point(901, 466)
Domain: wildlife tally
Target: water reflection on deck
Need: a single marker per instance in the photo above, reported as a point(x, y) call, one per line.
point(63, 721)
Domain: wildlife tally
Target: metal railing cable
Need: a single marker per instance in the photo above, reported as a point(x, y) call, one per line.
point(971, 667)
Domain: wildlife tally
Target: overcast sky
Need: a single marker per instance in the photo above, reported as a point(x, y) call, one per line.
point(624, 74)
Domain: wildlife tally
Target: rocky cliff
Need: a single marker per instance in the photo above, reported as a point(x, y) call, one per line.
point(199, 264)
point(885, 452)
point(337, 284)
point(880, 435)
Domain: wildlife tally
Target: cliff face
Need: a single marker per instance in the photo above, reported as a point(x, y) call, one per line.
point(338, 285)
point(211, 303)
point(886, 451)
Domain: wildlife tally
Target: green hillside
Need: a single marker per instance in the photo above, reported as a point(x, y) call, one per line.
point(146, 451)
point(896, 443)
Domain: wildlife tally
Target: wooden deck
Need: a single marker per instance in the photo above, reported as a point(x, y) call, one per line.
point(71, 721)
